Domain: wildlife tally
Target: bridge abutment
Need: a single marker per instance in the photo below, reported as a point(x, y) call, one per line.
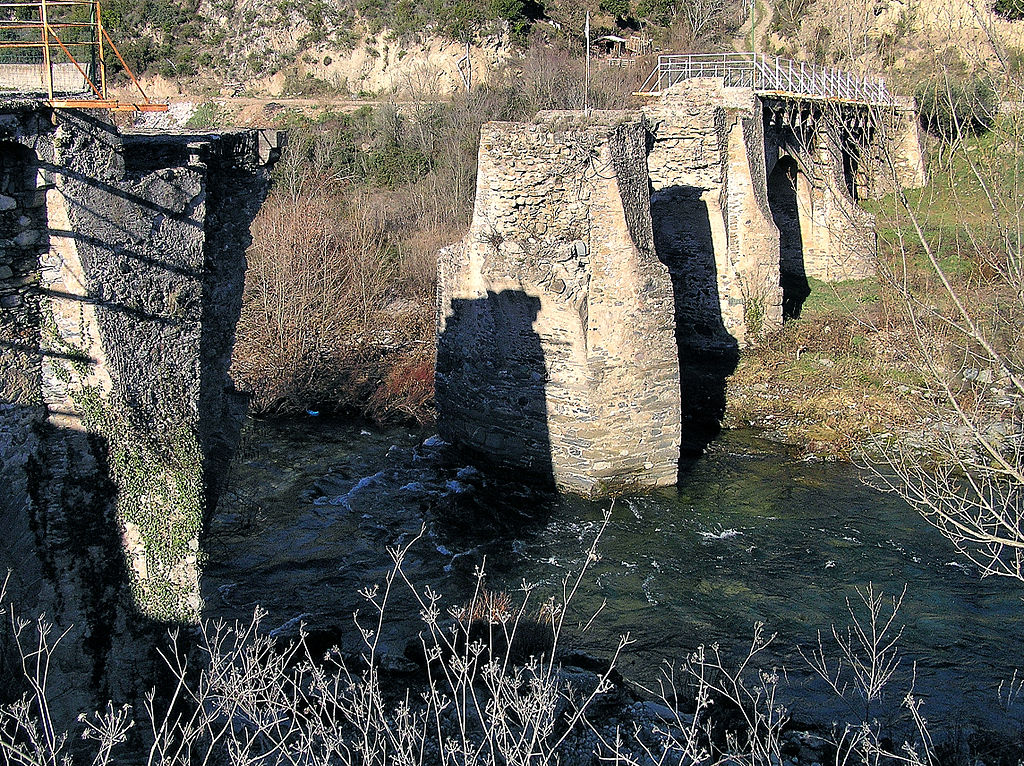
point(126, 261)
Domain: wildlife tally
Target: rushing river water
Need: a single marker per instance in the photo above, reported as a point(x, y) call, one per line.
point(751, 534)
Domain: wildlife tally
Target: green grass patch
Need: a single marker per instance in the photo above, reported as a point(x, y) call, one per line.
point(838, 297)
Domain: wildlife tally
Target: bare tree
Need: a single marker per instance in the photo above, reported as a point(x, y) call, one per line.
point(961, 284)
point(704, 18)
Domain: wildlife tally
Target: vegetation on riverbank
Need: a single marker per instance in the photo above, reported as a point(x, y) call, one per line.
point(338, 312)
point(339, 298)
point(859, 362)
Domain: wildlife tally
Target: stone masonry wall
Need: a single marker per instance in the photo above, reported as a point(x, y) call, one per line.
point(556, 348)
point(23, 237)
point(122, 299)
point(710, 212)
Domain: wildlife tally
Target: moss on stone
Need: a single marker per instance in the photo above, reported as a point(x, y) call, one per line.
point(160, 499)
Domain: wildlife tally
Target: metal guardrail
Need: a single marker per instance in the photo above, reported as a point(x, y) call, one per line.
point(60, 49)
point(769, 75)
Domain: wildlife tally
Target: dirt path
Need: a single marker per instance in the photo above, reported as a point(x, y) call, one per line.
point(760, 17)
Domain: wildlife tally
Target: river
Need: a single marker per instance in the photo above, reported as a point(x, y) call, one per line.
point(751, 534)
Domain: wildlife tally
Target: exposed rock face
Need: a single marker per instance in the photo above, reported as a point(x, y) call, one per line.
point(555, 317)
point(121, 273)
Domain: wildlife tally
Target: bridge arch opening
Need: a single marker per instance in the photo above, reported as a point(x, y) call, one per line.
point(788, 192)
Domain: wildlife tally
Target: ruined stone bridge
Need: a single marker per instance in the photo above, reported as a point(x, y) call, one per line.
point(617, 261)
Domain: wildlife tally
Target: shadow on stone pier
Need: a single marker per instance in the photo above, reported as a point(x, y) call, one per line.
point(708, 353)
point(783, 201)
point(505, 422)
point(120, 287)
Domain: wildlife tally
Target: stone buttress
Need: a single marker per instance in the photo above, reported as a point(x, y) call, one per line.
point(121, 273)
point(556, 351)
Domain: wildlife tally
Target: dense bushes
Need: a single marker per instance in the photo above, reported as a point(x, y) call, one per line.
point(1010, 9)
point(338, 310)
point(159, 35)
point(952, 108)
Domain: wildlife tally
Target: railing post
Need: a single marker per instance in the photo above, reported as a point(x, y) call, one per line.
point(99, 40)
point(47, 63)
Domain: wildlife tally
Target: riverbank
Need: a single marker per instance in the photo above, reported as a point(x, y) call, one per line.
point(831, 380)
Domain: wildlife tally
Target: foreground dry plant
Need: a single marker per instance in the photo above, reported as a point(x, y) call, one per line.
point(492, 692)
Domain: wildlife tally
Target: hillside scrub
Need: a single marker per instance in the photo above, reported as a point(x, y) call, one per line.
point(338, 310)
point(955, 108)
point(240, 38)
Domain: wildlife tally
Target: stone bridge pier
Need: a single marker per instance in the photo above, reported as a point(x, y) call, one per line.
point(121, 272)
point(556, 349)
point(617, 262)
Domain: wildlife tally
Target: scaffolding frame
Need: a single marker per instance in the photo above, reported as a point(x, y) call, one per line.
point(69, 27)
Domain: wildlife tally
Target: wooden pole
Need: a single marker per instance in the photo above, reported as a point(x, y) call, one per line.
point(753, 42)
point(586, 79)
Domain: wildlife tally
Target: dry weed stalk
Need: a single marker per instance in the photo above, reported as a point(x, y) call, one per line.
point(249, 700)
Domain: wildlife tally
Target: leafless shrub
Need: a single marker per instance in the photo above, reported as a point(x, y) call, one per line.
point(961, 285)
point(867, 649)
point(252, 703)
point(319, 310)
point(250, 700)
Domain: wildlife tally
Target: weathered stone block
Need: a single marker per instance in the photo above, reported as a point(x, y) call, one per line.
point(561, 312)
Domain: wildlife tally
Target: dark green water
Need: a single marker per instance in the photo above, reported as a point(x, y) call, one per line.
point(751, 534)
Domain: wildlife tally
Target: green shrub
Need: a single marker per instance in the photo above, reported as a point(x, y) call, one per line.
point(617, 8)
point(394, 164)
point(952, 108)
point(206, 115)
point(514, 12)
point(1010, 9)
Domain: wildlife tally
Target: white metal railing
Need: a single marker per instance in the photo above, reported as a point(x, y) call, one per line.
point(769, 75)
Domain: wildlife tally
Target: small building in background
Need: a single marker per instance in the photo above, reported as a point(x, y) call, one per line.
point(623, 51)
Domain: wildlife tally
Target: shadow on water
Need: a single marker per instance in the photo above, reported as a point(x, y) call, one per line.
point(502, 425)
point(782, 199)
point(708, 354)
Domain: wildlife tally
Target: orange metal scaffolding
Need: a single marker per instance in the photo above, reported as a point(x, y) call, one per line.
point(38, 35)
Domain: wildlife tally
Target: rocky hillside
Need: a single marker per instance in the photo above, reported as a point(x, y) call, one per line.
point(911, 39)
point(344, 48)
point(425, 48)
